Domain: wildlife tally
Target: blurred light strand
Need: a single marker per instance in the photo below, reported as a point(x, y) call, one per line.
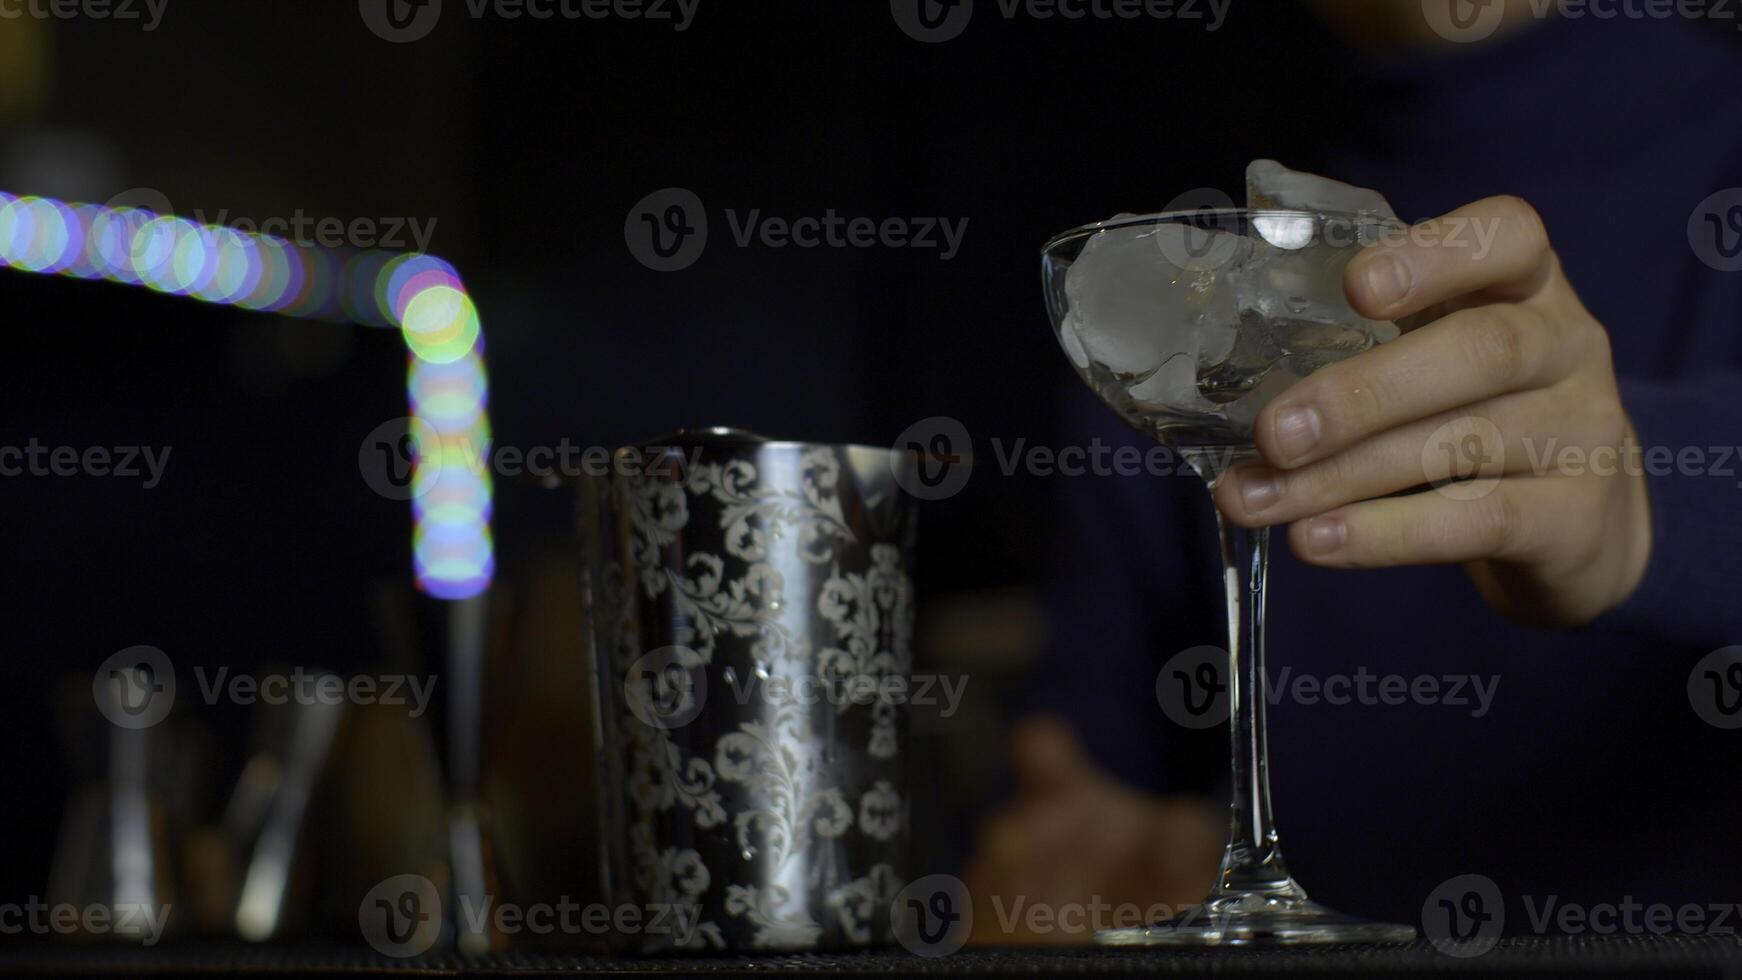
point(422, 296)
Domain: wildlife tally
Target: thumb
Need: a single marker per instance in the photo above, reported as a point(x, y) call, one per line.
point(1048, 756)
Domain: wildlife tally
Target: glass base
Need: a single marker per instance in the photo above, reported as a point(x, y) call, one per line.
point(1257, 921)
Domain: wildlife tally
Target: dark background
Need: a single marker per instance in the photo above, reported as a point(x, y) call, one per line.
point(529, 142)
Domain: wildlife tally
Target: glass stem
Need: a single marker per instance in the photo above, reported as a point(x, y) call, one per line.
point(1252, 865)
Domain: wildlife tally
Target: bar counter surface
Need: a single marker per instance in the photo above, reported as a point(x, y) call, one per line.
point(1718, 956)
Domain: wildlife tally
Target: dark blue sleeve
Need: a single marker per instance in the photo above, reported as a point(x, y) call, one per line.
point(1134, 583)
point(1692, 589)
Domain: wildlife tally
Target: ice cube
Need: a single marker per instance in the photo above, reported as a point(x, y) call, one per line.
point(1298, 296)
point(1243, 412)
point(1141, 295)
point(1173, 388)
point(1271, 185)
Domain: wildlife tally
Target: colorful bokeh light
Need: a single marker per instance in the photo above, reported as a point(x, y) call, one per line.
point(421, 295)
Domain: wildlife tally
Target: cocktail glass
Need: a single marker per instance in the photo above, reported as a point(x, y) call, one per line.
point(1187, 324)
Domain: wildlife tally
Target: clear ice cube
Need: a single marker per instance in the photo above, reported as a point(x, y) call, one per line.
point(1171, 321)
point(1150, 305)
point(1271, 185)
point(1293, 317)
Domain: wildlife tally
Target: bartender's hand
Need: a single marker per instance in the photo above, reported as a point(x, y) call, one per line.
point(1074, 837)
point(1514, 374)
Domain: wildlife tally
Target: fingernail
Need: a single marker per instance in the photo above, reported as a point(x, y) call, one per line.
point(1325, 535)
point(1388, 279)
point(1297, 431)
point(1258, 490)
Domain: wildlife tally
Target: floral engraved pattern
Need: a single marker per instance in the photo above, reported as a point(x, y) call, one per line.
point(756, 568)
point(770, 761)
point(776, 927)
point(860, 903)
point(747, 606)
point(872, 615)
point(658, 511)
point(880, 811)
point(678, 878)
point(751, 513)
point(662, 779)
